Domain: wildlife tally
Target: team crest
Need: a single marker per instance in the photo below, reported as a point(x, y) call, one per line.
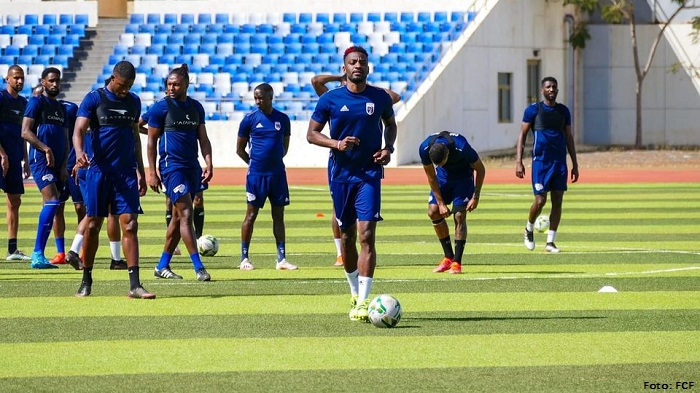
point(278, 126)
point(369, 108)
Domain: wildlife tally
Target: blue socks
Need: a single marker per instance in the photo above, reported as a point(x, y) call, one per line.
point(48, 212)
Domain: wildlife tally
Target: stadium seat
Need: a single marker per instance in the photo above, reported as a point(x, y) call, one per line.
point(332, 28)
point(423, 17)
point(374, 17)
point(138, 50)
point(339, 17)
point(204, 19)
point(5, 41)
point(289, 17)
point(235, 58)
point(31, 19)
point(457, 16)
point(391, 17)
point(153, 19)
point(315, 28)
point(82, 19)
point(305, 17)
point(221, 18)
point(25, 29)
point(48, 19)
point(243, 38)
point(60, 30)
point(440, 16)
point(298, 28)
point(358, 39)
point(356, 17)
point(348, 28)
point(187, 19)
point(407, 17)
point(136, 19)
point(36, 39)
point(145, 28)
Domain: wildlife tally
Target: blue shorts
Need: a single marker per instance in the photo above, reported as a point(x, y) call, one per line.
point(549, 176)
point(182, 181)
point(258, 188)
point(111, 193)
point(458, 193)
point(356, 201)
point(44, 176)
point(13, 182)
point(72, 190)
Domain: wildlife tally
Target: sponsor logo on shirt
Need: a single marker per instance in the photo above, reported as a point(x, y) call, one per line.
point(55, 117)
point(344, 109)
point(259, 125)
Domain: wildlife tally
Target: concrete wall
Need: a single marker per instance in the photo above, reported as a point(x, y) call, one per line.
point(671, 109)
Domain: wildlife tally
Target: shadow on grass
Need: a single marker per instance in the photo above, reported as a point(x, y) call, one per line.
point(479, 319)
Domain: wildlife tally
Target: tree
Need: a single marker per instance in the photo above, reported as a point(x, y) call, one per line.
point(621, 12)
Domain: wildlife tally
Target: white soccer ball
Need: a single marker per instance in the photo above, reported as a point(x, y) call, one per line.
point(384, 311)
point(207, 245)
point(542, 223)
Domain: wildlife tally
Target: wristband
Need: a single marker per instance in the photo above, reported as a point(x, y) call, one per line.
point(338, 146)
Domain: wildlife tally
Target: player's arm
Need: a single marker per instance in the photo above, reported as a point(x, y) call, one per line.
point(139, 159)
point(154, 181)
point(435, 188)
point(28, 135)
point(81, 159)
point(241, 144)
point(383, 156)
point(319, 82)
point(285, 145)
point(519, 167)
point(143, 126)
point(25, 163)
point(4, 161)
point(480, 172)
point(205, 148)
point(571, 147)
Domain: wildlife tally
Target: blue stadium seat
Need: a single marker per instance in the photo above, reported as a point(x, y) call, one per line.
point(31, 19)
point(224, 38)
point(425, 38)
point(235, 59)
point(61, 60)
point(187, 19)
point(166, 59)
point(41, 59)
point(159, 38)
point(431, 27)
point(131, 28)
point(71, 39)
point(156, 49)
point(399, 68)
point(121, 49)
point(137, 50)
point(9, 30)
point(176, 38)
point(292, 38)
point(258, 39)
point(310, 48)
point(25, 29)
point(308, 39)
point(404, 58)
point(328, 48)
point(271, 58)
point(264, 68)
point(274, 39)
point(153, 19)
point(398, 26)
point(323, 17)
point(221, 18)
point(12, 51)
point(305, 17)
point(243, 38)
point(332, 28)
point(339, 17)
point(146, 28)
point(77, 29)
point(48, 19)
point(241, 47)
point(391, 17)
point(215, 28)
point(218, 60)
point(294, 67)
point(289, 17)
point(37, 39)
point(247, 69)
point(471, 15)
point(349, 27)
point(183, 59)
point(374, 17)
point(294, 48)
point(399, 47)
point(233, 70)
point(199, 28)
point(210, 49)
point(170, 18)
point(265, 28)
point(249, 28)
point(42, 29)
point(298, 28)
point(164, 28)
point(382, 68)
point(407, 17)
point(408, 38)
point(31, 50)
point(204, 19)
point(277, 49)
point(192, 39)
point(457, 16)
point(235, 29)
point(137, 19)
point(356, 17)
point(82, 19)
point(114, 59)
point(414, 27)
point(181, 28)
point(287, 58)
point(172, 49)
point(358, 38)
point(258, 48)
point(209, 38)
point(223, 49)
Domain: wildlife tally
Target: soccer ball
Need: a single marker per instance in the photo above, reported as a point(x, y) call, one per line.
point(542, 223)
point(384, 311)
point(207, 245)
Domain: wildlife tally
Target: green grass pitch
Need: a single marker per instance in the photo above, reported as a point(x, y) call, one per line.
point(515, 320)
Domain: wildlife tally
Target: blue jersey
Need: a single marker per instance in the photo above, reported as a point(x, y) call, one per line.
point(111, 127)
point(71, 111)
point(265, 134)
point(11, 114)
point(50, 128)
point(358, 115)
point(180, 123)
point(459, 162)
point(549, 142)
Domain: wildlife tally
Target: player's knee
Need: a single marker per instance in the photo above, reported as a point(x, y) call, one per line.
point(438, 221)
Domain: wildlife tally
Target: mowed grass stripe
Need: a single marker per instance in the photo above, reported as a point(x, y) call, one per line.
point(37, 307)
point(387, 352)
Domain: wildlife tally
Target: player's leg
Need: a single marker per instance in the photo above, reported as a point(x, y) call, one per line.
point(338, 241)
point(368, 206)
point(76, 194)
point(198, 214)
point(279, 198)
point(59, 225)
point(49, 194)
point(184, 211)
point(343, 197)
point(442, 231)
point(557, 186)
point(257, 188)
point(168, 219)
point(539, 180)
point(461, 192)
point(114, 234)
point(14, 201)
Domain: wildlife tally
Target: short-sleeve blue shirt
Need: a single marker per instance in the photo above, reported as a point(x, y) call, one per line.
point(11, 114)
point(177, 148)
point(459, 162)
point(71, 111)
point(265, 134)
point(549, 145)
point(112, 146)
point(359, 115)
point(51, 123)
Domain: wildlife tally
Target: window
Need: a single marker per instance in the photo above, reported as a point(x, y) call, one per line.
point(505, 101)
point(533, 81)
